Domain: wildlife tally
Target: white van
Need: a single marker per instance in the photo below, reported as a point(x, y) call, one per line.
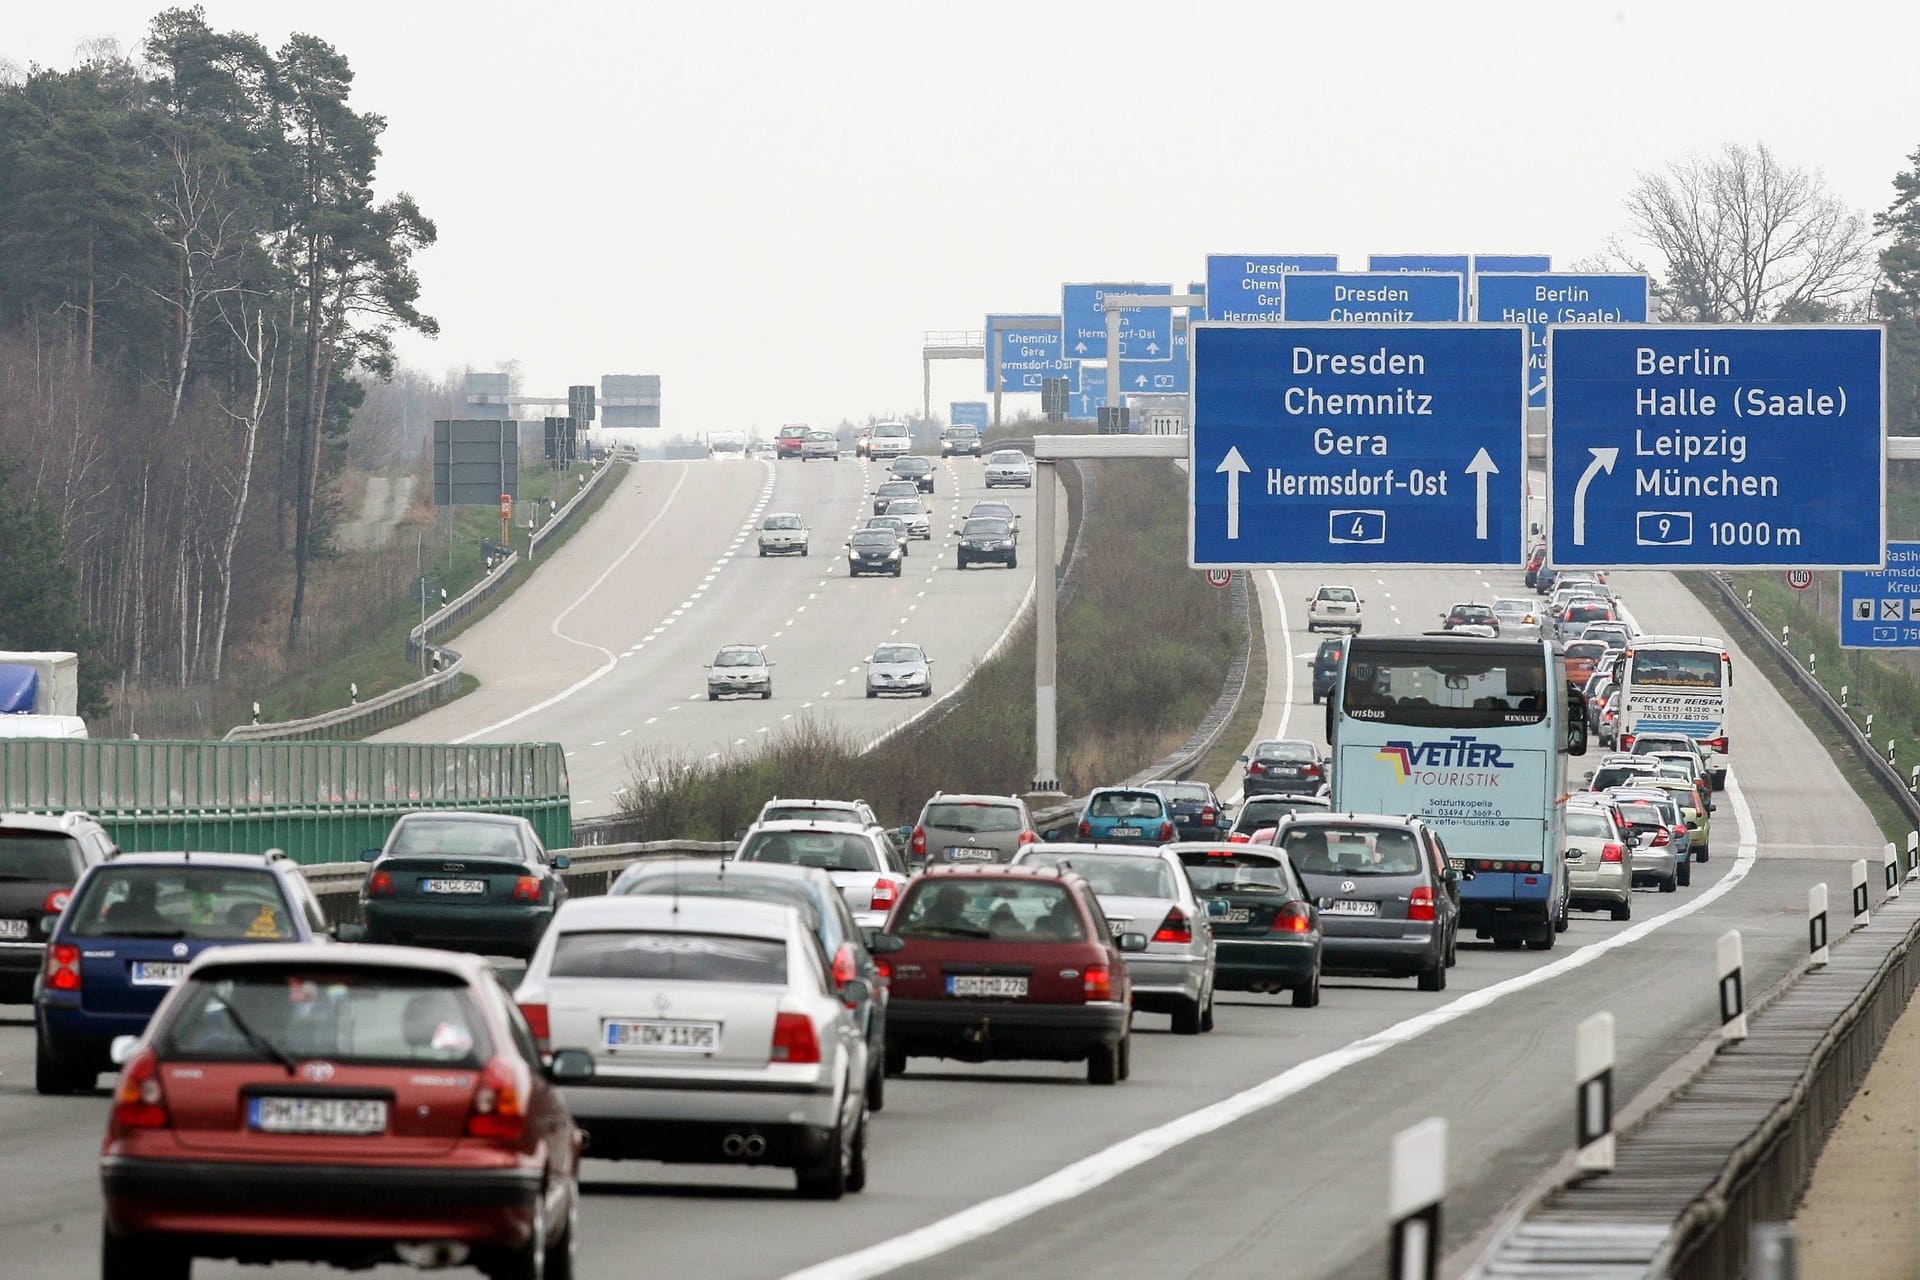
point(31, 726)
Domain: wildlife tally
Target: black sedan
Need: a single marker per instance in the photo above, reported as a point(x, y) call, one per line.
point(1266, 930)
point(463, 881)
point(1198, 813)
point(1284, 766)
point(987, 540)
point(914, 468)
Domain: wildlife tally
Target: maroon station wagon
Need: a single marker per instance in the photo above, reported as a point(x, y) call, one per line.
point(1002, 962)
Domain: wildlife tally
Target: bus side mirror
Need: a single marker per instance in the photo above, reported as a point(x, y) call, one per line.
point(1576, 722)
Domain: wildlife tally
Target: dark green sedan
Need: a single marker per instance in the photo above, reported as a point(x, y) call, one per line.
point(477, 882)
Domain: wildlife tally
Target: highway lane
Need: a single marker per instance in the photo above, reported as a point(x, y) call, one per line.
point(608, 658)
point(1299, 1186)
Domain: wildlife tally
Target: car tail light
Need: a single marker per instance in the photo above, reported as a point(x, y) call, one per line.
point(537, 1023)
point(380, 885)
point(885, 968)
point(1659, 837)
point(794, 1039)
point(1291, 917)
point(1174, 928)
point(1099, 983)
point(1421, 905)
point(500, 1103)
point(843, 967)
point(56, 902)
point(1717, 744)
point(1166, 831)
point(884, 892)
point(1086, 828)
point(63, 967)
point(138, 1100)
point(1236, 837)
point(1256, 767)
point(526, 889)
point(1309, 770)
point(1208, 816)
point(1029, 837)
point(919, 842)
point(1626, 741)
point(1611, 852)
point(1679, 828)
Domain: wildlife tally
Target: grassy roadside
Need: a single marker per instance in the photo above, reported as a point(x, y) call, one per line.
point(1241, 730)
point(1143, 647)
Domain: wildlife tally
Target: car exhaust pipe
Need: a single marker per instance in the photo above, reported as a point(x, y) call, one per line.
point(733, 1145)
point(428, 1255)
point(755, 1146)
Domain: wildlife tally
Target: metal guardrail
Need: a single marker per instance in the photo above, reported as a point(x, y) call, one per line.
point(564, 516)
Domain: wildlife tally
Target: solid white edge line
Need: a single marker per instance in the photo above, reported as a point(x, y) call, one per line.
point(1101, 1167)
point(1286, 705)
point(578, 600)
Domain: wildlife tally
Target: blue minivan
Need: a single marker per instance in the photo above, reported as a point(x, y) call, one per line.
point(133, 925)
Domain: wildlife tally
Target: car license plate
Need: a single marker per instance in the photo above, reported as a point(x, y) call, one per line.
point(956, 853)
point(667, 1035)
point(157, 973)
point(1240, 916)
point(453, 886)
point(317, 1115)
point(1123, 832)
point(971, 984)
point(1284, 771)
point(13, 928)
point(1458, 864)
point(1353, 907)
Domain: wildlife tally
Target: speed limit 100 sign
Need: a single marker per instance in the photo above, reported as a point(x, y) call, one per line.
point(1799, 579)
point(1219, 577)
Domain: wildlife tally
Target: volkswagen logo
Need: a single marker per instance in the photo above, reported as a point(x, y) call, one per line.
point(661, 1001)
point(1346, 886)
point(318, 1071)
point(179, 948)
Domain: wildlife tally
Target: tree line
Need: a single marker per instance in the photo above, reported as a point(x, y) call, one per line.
point(196, 281)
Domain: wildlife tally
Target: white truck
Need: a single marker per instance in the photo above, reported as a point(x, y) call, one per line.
point(40, 696)
point(726, 444)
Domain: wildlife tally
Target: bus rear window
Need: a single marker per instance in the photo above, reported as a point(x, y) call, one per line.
point(1684, 668)
point(1477, 687)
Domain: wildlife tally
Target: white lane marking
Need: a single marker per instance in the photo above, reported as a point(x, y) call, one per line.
point(554, 626)
point(651, 719)
point(601, 743)
point(1101, 1167)
point(625, 732)
point(805, 705)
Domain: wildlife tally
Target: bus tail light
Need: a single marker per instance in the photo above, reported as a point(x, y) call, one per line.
point(1421, 905)
point(1717, 744)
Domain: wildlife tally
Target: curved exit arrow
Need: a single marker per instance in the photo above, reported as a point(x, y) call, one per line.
point(1603, 460)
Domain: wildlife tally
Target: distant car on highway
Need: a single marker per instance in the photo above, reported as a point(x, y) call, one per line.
point(1126, 815)
point(992, 508)
point(900, 667)
point(1385, 908)
point(914, 512)
point(796, 809)
point(900, 528)
point(1615, 635)
point(477, 882)
point(862, 862)
point(1009, 467)
point(987, 540)
point(1198, 813)
point(704, 1031)
point(1264, 813)
point(1535, 558)
point(791, 440)
point(1147, 891)
point(1334, 606)
point(783, 534)
point(42, 856)
point(1471, 620)
point(1266, 929)
point(1284, 766)
point(737, 670)
point(1581, 656)
point(820, 444)
point(1599, 873)
point(343, 1105)
point(1000, 963)
point(891, 489)
point(1326, 666)
point(862, 439)
point(914, 468)
point(964, 829)
point(1518, 618)
point(889, 440)
point(960, 442)
point(125, 940)
point(875, 551)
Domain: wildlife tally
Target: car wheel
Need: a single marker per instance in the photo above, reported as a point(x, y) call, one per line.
point(54, 1078)
point(1126, 1055)
point(712, 696)
point(529, 1261)
point(1622, 911)
point(857, 1170)
point(896, 571)
point(872, 693)
point(562, 1254)
point(763, 553)
point(1103, 1064)
point(1453, 946)
point(877, 1087)
point(1206, 1014)
point(1013, 562)
point(1670, 884)
point(1186, 1019)
point(1435, 978)
point(1541, 939)
point(927, 692)
point(766, 693)
point(1307, 994)
point(1684, 873)
point(1560, 921)
point(1700, 854)
point(140, 1258)
point(896, 1061)
point(959, 562)
point(803, 553)
point(827, 1180)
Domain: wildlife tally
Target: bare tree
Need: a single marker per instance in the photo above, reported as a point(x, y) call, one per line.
point(247, 320)
point(1748, 239)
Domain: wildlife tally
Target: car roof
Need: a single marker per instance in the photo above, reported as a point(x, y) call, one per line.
point(808, 824)
point(1094, 847)
point(960, 797)
point(465, 815)
point(59, 823)
point(367, 955)
point(740, 648)
point(191, 858)
point(812, 800)
point(992, 871)
point(671, 914)
point(1311, 801)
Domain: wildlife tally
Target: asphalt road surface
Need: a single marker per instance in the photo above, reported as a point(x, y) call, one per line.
point(1258, 1149)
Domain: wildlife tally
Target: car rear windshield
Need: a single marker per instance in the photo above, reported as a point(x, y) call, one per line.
point(1003, 910)
point(1266, 811)
point(1590, 613)
point(1343, 594)
point(811, 813)
point(1219, 870)
point(1590, 649)
point(828, 850)
point(222, 904)
point(681, 957)
point(972, 817)
point(1643, 815)
point(1126, 804)
point(37, 855)
point(1614, 775)
point(491, 839)
point(1286, 751)
point(272, 1013)
point(1119, 875)
point(1591, 824)
point(1196, 791)
point(1353, 851)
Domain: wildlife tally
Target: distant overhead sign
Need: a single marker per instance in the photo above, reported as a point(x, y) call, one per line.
point(1246, 286)
point(1379, 297)
point(1146, 333)
point(476, 462)
point(1029, 351)
point(1489, 262)
point(1160, 377)
point(1538, 300)
point(1716, 446)
point(1880, 608)
point(1092, 393)
point(968, 413)
point(630, 400)
point(1401, 444)
point(1458, 263)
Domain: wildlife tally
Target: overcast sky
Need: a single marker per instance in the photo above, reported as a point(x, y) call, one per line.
point(767, 203)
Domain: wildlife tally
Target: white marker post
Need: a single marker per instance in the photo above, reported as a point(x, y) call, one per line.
point(1416, 1185)
point(1913, 855)
point(1890, 869)
point(1817, 925)
point(1593, 1093)
point(1733, 996)
point(1861, 917)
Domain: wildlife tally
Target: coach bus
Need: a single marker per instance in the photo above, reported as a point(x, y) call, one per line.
point(1677, 684)
point(1472, 735)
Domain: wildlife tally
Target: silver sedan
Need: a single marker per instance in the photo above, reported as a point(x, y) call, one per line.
point(900, 668)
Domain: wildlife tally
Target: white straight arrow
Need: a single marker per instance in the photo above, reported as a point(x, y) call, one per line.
point(1480, 468)
point(1235, 466)
point(1603, 460)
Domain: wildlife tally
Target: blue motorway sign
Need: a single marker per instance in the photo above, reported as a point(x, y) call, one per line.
point(1357, 297)
point(1880, 608)
point(1340, 444)
point(968, 413)
point(1199, 291)
point(1458, 263)
point(1532, 262)
point(1090, 394)
point(1716, 446)
point(1246, 286)
point(1029, 352)
point(1146, 333)
point(1161, 377)
point(1539, 299)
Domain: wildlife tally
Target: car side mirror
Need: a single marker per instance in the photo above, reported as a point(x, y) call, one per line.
point(1133, 942)
point(1451, 875)
point(855, 991)
point(1573, 855)
point(569, 1066)
point(561, 862)
point(348, 931)
point(1241, 759)
point(121, 1051)
point(369, 855)
point(883, 944)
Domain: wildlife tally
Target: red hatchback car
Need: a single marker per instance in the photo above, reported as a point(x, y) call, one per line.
point(1001, 962)
point(348, 1105)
